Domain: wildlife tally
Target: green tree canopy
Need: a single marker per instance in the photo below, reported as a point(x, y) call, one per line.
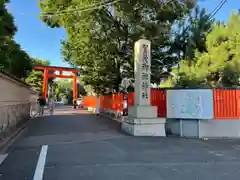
point(101, 36)
point(7, 26)
point(64, 88)
point(12, 58)
point(220, 65)
point(190, 33)
point(35, 78)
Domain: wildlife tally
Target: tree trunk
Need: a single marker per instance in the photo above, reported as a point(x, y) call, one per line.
point(118, 77)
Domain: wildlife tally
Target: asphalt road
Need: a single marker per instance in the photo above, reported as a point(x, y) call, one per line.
point(76, 145)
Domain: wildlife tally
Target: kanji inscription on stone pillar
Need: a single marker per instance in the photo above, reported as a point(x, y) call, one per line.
point(142, 66)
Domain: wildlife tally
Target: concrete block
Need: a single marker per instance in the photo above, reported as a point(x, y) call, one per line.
point(144, 127)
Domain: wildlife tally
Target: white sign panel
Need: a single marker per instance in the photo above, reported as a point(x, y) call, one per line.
point(142, 68)
point(190, 104)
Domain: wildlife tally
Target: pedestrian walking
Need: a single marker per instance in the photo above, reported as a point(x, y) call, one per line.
point(51, 105)
point(74, 103)
point(42, 103)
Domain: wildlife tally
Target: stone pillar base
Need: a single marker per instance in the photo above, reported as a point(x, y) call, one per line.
point(144, 127)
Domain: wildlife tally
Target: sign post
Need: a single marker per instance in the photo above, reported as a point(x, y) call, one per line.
point(142, 117)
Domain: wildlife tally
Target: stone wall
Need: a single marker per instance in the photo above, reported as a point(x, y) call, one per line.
point(15, 102)
point(13, 116)
point(33, 100)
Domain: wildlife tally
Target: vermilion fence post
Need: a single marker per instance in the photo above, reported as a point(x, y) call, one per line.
point(238, 103)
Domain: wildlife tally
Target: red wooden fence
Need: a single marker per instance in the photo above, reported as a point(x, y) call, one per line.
point(115, 101)
point(90, 101)
point(112, 102)
point(159, 99)
point(226, 104)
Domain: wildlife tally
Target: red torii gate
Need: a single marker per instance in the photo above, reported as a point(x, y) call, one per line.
point(46, 76)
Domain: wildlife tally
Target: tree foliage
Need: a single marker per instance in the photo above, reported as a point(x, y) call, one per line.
point(35, 77)
point(64, 88)
point(220, 65)
point(101, 40)
point(190, 33)
point(12, 58)
point(7, 28)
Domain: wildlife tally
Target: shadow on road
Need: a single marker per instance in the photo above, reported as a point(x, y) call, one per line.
point(72, 122)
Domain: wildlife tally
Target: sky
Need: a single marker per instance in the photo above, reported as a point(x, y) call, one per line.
point(42, 42)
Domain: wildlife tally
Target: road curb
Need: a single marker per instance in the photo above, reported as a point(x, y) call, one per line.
point(8, 141)
point(112, 118)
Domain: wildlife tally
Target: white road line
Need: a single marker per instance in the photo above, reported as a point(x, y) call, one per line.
point(2, 157)
point(38, 175)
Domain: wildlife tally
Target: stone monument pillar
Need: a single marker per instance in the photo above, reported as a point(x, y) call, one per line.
point(142, 118)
